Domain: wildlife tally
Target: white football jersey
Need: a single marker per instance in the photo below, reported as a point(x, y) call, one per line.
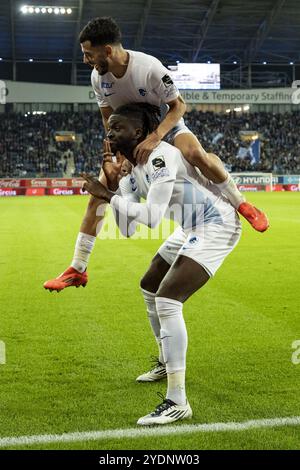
point(146, 80)
point(195, 200)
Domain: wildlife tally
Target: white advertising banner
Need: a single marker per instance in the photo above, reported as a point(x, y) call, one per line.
point(23, 92)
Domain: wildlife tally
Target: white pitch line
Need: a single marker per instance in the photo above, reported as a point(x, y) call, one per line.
point(148, 432)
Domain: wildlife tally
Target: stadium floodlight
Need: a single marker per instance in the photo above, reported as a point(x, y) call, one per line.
point(235, 62)
point(1, 59)
point(237, 110)
point(264, 62)
point(228, 111)
point(60, 60)
point(246, 107)
point(30, 60)
point(291, 63)
point(57, 10)
point(209, 62)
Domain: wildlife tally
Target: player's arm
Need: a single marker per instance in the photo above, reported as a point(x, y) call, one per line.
point(166, 90)
point(149, 213)
point(177, 108)
point(163, 170)
point(128, 191)
point(152, 211)
point(176, 111)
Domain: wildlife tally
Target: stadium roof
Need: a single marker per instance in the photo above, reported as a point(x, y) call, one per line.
point(225, 31)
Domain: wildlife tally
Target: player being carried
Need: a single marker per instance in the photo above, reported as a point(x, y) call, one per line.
point(122, 76)
point(209, 229)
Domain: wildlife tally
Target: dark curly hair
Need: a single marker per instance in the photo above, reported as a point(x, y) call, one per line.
point(100, 31)
point(148, 115)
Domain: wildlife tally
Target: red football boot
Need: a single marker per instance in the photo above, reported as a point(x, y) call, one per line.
point(255, 217)
point(69, 278)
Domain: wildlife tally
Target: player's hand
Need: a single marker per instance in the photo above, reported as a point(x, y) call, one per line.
point(126, 168)
point(93, 186)
point(112, 166)
point(143, 150)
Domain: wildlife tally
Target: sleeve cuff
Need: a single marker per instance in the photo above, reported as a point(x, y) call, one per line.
point(114, 200)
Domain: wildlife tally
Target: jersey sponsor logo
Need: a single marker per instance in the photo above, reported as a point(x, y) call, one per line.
point(158, 162)
point(107, 84)
point(142, 91)
point(109, 94)
point(167, 80)
point(160, 173)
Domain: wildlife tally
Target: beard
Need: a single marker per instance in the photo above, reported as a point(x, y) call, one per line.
point(124, 147)
point(102, 68)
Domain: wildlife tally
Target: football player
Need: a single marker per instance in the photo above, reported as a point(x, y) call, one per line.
point(121, 76)
point(209, 229)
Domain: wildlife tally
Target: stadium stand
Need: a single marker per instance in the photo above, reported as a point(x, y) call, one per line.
point(28, 147)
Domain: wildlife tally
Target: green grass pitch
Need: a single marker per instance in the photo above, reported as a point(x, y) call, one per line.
point(72, 358)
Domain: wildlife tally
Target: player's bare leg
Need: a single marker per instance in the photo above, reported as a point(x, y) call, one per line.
point(184, 277)
point(212, 168)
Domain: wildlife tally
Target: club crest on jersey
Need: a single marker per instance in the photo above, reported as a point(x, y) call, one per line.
point(193, 240)
point(142, 91)
point(167, 80)
point(158, 162)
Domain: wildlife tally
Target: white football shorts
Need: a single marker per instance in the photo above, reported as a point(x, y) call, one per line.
point(180, 128)
point(208, 245)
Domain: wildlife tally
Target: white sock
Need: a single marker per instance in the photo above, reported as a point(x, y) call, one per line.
point(176, 387)
point(83, 248)
point(174, 344)
point(230, 190)
point(149, 298)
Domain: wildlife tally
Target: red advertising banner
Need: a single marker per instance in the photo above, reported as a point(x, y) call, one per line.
point(64, 191)
point(291, 187)
point(250, 187)
point(10, 183)
point(286, 187)
point(35, 192)
point(72, 186)
point(12, 191)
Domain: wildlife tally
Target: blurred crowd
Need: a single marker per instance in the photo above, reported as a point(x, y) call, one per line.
point(28, 146)
point(278, 135)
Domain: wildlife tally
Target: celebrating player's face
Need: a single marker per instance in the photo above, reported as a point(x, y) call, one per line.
point(122, 134)
point(95, 56)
